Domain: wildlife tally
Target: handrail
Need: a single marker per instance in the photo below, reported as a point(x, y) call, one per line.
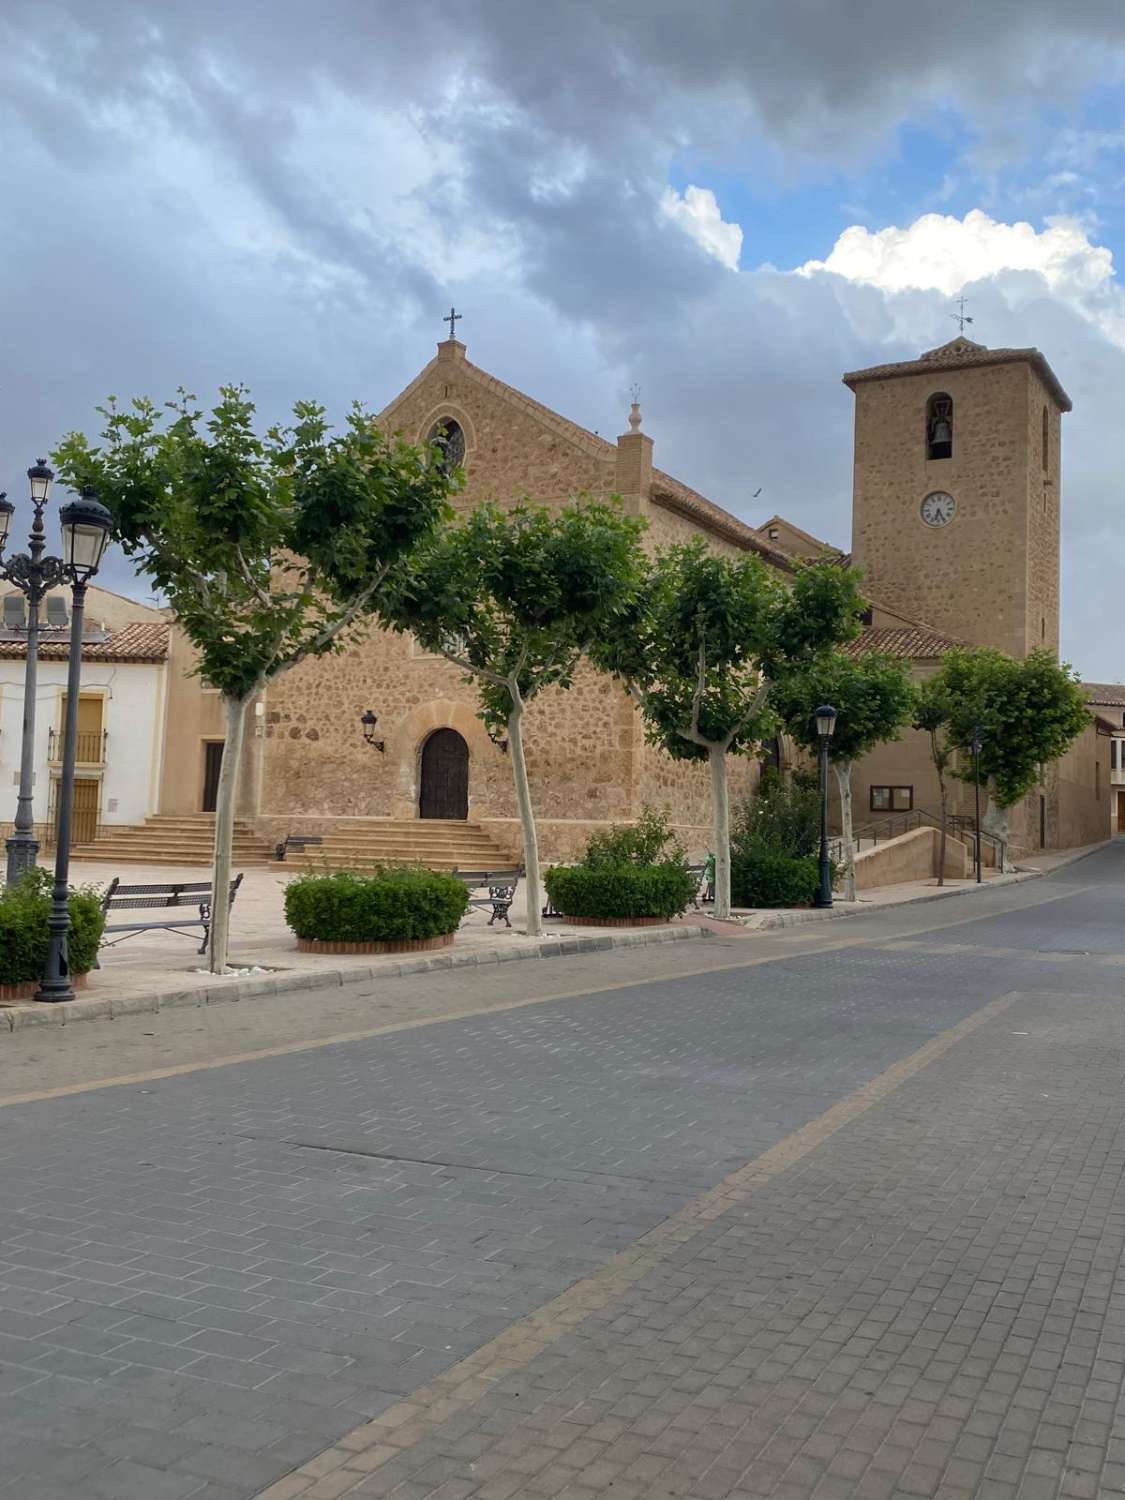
point(896, 824)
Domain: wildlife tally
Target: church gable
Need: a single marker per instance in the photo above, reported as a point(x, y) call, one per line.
point(513, 446)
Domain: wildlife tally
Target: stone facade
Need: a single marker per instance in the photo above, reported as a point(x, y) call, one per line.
point(991, 574)
point(588, 762)
point(989, 577)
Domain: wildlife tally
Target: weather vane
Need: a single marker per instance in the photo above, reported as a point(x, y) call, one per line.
point(453, 316)
point(961, 317)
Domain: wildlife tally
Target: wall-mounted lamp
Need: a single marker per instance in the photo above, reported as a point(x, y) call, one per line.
point(369, 720)
point(499, 741)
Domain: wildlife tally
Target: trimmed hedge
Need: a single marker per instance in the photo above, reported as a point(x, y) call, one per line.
point(392, 904)
point(662, 890)
point(762, 877)
point(24, 934)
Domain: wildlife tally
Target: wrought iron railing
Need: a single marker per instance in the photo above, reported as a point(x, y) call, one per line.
point(90, 749)
point(879, 830)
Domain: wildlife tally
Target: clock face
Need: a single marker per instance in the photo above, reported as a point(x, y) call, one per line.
point(938, 508)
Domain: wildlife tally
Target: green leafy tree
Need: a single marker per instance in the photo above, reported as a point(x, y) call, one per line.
point(873, 698)
point(269, 549)
point(514, 598)
point(1028, 713)
point(700, 645)
point(931, 716)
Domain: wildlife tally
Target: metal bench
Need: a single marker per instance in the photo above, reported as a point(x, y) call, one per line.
point(501, 886)
point(296, 841)
point(174, 893)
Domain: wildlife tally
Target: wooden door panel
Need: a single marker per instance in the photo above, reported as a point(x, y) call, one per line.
point(444, 791)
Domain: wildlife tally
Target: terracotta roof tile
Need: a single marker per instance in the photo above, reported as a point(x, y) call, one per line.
point(963, 354)
point(1111, 694)
point(139, 641)
point(909, 642)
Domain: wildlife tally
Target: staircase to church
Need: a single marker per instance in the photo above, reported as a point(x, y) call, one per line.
point(170, 840)
point(436, 843)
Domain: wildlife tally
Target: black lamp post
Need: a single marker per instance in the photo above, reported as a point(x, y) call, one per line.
point(34, 575)
point(85, 528)
point(825, 723)
point(974, 751)
point(369, 719)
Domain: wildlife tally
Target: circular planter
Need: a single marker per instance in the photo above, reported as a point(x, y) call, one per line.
point(400, 945)
point(618, 921)
point(26, 989)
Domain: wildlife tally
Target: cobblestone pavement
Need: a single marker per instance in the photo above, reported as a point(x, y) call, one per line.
point(489, 1257)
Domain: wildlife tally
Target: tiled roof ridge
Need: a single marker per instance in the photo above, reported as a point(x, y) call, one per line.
point(907, 642)
point(1112, 693)
point(954, 356)
point(807, 536)
point(138, 640)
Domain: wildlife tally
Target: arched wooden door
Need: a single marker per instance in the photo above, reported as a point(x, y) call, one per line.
point(444, 791)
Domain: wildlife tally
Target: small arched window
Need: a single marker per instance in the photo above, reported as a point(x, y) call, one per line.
point(939, 426)
point(449, 438)
point(1046, 443)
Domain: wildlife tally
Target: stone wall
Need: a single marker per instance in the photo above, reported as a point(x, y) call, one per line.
point(991, 575)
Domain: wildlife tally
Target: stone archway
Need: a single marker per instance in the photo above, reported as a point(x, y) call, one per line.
point(443, 780)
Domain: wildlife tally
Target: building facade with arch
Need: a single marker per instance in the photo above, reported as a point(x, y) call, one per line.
point(956, 512)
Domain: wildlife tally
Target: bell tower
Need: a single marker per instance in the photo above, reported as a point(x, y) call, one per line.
point(956, 503)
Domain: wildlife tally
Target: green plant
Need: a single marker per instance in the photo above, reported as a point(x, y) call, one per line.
point(783, 816)
point(392, 904)
point(623, 890)
point(764, 877)
point(24, 910)
point(514, 598)
point(699, 645)
point(207, 508)
point(648, 841)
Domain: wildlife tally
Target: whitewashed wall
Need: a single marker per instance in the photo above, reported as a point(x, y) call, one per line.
point(133, 716)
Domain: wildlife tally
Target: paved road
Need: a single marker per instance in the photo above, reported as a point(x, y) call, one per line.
point(208, 1279)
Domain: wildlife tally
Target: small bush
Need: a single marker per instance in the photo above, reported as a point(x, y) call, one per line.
point(391, 904)
point(624, 890)
point(648, 841)
point(24, 934)
point(782, 816)
point(762, 877)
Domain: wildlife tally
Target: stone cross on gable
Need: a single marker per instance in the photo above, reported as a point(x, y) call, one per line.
point(453, 316)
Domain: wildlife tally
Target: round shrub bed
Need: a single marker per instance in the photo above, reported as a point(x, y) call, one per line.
point(762, 877)
point(393, 909)
point(620, 894)
point(24, 934)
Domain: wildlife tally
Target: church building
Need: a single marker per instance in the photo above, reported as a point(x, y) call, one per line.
point(956, 515)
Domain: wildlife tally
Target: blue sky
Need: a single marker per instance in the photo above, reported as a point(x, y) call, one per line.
point(726, 204)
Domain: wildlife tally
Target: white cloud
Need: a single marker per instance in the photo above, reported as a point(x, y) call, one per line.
point(941, 253)
point(697, 213)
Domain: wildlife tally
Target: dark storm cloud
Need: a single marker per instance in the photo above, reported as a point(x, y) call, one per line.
point(190, 195)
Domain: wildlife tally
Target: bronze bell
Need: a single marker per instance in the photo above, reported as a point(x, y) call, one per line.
point(942, 432)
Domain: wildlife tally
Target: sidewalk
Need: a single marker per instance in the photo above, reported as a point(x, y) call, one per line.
point(155, 971)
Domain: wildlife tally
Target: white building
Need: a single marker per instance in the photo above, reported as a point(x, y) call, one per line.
point(120, 714)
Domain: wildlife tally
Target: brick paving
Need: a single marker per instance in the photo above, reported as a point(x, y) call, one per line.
point(205, 1281)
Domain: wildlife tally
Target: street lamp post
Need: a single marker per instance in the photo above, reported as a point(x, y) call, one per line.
point(85, 528)
point(974, 750)
point(825, 723)
point(34, 575)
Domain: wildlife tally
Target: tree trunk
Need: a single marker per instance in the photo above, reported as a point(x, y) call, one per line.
point(843, 770)
point(942, 794)
point(720, 814)
point(531, 882)
point(224, 830)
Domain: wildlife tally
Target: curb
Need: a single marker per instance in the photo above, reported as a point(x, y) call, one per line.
point(1017, 877)
point(19, 1017)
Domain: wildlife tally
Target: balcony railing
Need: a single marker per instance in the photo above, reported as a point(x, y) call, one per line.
point(90, 748)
